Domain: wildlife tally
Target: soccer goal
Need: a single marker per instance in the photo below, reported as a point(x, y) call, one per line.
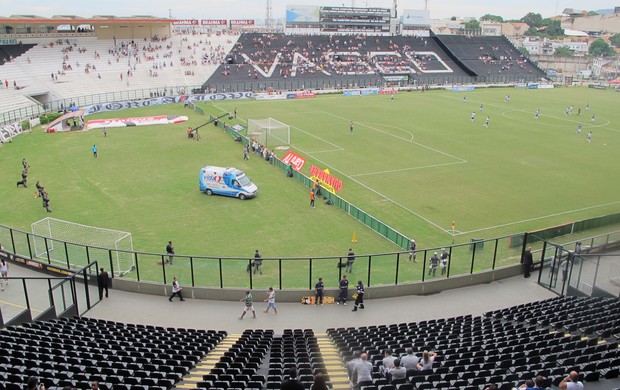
point(51, 235)
point(269, 132)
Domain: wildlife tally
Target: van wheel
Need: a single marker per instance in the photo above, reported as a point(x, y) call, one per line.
point(209, 192)
point(242, 196)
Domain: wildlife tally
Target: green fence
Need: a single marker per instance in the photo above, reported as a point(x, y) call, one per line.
point(565, 229)
point(373, 223)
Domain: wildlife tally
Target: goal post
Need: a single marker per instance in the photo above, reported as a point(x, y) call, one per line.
point(83, 243)
point(269, 132)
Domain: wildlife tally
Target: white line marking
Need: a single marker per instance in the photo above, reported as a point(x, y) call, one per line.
point(407, 169)
point(542, 217)
point(401, 138)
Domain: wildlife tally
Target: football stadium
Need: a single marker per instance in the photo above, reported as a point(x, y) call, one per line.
point(347, 198)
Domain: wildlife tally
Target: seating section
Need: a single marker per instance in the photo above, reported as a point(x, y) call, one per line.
point(239, 368)
point(10, 52)
point(504, 347)
point(74, 67)
point(73, 352)
point(490, 56)
point(297, 349)
point(277, 57)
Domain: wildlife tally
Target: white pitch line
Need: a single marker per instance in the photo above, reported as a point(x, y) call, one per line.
point(326, 151)
point(542, 217)
point(372, 190)
point(338, 147)
point(408, 169)
point(395, 136)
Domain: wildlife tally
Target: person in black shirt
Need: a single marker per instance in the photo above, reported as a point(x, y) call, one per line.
point(344, 290)
point(292, 383)
point(24, 180)
point(170, 252)
point(258, 262)
point(103, 281)
point(319, 287)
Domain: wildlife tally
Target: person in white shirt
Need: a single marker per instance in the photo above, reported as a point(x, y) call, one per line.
point(409, 361)
point(398, 373)
point(427, 360)
point(571, 382)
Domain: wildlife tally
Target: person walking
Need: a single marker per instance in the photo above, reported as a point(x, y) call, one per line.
point(24, 181)
point(103, 281)
point(271, 301)
point(318, 292)
point(4, 272)
point(527, 260)
point(258, 262)
point(105, 132)
point(176, 290)
point(351, 127)
point(434, 262)
point(312, 198)
point(344, 290)
point(412, 248)
point(170, 252)
point(350, 261)
point(359, 298)
point(94, 151)
point(248, 305)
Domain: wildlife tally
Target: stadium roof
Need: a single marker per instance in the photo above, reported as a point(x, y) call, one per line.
point(34, 19)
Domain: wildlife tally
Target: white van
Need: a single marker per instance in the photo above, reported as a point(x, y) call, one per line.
point(226, 181)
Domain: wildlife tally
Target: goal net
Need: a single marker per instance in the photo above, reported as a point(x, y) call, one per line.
point(269, 132)
point(57, 239)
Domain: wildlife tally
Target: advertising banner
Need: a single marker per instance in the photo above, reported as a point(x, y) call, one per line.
point(295, 160)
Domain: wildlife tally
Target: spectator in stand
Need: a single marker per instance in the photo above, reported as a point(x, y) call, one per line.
point(426, 364)
point(571, 382)
point(388, 362)
point(319, 382)
point(363, 371)
point(351, 364)
point(291, 383)
point(409, 361)
point(398, 373)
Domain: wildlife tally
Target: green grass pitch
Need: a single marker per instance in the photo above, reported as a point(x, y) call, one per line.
point(416, 162)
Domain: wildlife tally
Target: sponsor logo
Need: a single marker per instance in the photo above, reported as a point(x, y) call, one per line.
point(325, 178)
point(185, 22)
point(243, 22)
point(214, 22)
point(295, 160)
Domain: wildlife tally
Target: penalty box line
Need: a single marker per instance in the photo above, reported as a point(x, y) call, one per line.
point(460, 160)
point(371, 189)
point(542, 217)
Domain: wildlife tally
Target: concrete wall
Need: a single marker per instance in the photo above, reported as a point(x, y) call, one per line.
point(234, 294)
point(564, 65)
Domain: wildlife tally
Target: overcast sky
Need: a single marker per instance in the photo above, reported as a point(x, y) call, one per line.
point(255, 9)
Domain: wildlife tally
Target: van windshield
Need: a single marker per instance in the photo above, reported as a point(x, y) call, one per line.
point(244, 181)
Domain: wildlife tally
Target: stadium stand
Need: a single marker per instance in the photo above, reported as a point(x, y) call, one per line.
point(271, 58)
point(504, 347)
point(278, 57)
point(488, 55)
point(68, 68)
point(73, 352)
point(10, 52)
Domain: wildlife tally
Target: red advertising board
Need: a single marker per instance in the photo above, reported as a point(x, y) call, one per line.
point(326, 177)
point(295, 160)
point(185, 22)
point(214, 22)
point(242, 22)
point(388, 92)
point(304, 95)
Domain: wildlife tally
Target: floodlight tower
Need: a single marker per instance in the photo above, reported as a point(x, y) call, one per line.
point(395, 9)
point(425, 5)
point(269, 16)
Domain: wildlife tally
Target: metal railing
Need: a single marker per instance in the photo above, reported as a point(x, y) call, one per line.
point(377, 269)
point(39, 298)
point(582, 267)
